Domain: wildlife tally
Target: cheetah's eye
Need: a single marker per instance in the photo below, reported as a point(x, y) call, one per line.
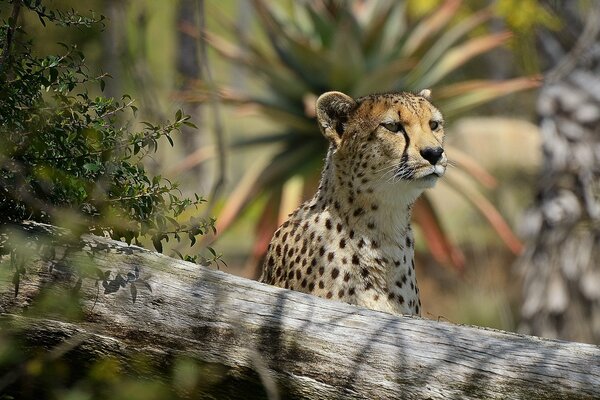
point(434, 125)
point(393, 126)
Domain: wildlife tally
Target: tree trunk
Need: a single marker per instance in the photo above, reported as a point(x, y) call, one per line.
point(190, 73)
point(264, 341)
point(112, 46)
point(562, 273)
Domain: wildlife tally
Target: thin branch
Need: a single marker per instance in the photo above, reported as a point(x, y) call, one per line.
point(10, 35)
point(214, 104)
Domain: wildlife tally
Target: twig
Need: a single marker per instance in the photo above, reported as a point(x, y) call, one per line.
point(214, 104)
point(10, 35)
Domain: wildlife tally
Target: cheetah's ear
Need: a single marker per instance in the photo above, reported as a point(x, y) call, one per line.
point(332, 111)
point(425, 93)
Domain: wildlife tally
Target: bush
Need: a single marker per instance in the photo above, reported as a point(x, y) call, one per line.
point(68, 158)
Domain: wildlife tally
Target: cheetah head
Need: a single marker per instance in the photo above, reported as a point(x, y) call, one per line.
point(394, 140)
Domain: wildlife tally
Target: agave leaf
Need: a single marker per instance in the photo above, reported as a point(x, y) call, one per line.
point(291, 197)
point(265, 139)
point(358, 47)
point(438, 243)
point(275, 72)
point(267, 224)
point(287, 117)
point(277, 104)
point(450, 37)
point(459, 55)
point(396, 27)
point(298, 157)
point(383, 28)
point(504, 86)
point(384, 78)
point(324, 26)
point(238, 55)
point(241, 195)
point(269, 69)
point(268, 176)
point(345, 58)
point(470, 166)
point(487, 209)
point(199, 156)
point(429, 27)
point(296, 53)
point(464, 95)
point(277, 109)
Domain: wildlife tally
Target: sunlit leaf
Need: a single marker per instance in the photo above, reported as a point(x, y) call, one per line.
point(470, 166)
point(266, 224)
point(459, 55)
point(487, 209)
point(429, 26)
point(291, 197)
point(438, 243)
point(450, 37)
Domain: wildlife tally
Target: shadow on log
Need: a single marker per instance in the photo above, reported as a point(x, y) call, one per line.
point(258, 341)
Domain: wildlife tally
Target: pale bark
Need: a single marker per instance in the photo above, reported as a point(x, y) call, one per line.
point(297, 345)
point(561, 294)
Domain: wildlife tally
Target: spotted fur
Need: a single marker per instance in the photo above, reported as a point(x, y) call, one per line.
point(352, 241)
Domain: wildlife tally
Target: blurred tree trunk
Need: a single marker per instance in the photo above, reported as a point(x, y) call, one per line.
point(113, 46)
point(190, 72)
point(561, 263)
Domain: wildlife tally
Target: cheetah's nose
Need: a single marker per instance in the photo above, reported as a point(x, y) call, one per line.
point(432, 154)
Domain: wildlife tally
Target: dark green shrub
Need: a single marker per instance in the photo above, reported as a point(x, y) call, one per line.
point(73, 159)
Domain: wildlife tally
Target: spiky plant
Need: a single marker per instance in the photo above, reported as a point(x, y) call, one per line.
point(357, 47)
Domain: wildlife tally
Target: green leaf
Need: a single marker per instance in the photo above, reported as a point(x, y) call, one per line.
point(157, 244)
point(192, 239)
point(92, 167)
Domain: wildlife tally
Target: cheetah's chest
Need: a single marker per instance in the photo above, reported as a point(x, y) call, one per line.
point(385, 277)
point(324, 256)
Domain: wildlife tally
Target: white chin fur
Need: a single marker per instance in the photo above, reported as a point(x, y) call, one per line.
point(428, 181)
point(439, 170)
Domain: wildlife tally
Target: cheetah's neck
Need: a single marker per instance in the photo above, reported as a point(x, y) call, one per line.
point(383, 214)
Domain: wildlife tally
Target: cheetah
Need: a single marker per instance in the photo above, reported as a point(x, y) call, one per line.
point(352, 241)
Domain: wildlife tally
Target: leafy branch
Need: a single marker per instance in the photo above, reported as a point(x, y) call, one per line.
point(68, 157)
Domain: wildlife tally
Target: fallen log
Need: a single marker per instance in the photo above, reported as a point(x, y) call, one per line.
point(267, 342)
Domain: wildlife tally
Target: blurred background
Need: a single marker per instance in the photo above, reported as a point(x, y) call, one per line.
point(506, 240)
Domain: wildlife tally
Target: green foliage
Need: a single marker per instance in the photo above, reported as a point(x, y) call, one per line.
point(68, 158)
point(72, 158)
point(357, 48)
point(523, 17)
